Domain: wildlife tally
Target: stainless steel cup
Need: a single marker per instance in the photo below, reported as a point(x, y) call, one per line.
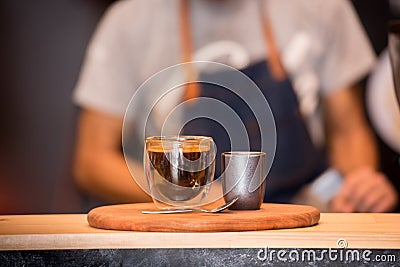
point(244, 176)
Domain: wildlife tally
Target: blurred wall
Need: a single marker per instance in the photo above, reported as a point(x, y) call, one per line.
point(41, 50)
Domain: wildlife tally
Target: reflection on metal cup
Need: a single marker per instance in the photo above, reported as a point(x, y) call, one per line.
point(244, 176)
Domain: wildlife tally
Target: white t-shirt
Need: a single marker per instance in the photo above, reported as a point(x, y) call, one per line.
point(323, 46)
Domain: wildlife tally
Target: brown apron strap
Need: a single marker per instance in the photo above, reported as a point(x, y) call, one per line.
point(186, 38)
point(192, 89)
point(274, 61)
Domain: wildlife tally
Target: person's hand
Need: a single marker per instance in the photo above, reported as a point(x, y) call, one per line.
point(365, 190)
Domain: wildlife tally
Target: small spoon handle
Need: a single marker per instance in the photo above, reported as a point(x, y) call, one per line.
point(166, 211)
point(219, 209)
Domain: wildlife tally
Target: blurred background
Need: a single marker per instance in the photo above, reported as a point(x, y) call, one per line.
point(42, 48)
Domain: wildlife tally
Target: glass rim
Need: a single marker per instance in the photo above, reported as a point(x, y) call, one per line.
point(177, 138)
point(243, 153)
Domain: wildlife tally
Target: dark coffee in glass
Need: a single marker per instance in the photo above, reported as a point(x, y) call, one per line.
point(178, 169)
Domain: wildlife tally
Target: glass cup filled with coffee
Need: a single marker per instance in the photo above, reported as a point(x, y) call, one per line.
point(179, 170)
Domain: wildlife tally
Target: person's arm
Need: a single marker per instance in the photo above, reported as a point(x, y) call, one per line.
point(99, 165)
point(353, 152)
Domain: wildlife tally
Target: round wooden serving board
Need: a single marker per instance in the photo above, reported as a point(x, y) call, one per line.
point(270, 216)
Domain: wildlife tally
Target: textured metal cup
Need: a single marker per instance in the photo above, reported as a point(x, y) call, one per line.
point(244, 176)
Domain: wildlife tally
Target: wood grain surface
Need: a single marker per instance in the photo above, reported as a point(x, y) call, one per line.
point(270, 216)
point(72, 231)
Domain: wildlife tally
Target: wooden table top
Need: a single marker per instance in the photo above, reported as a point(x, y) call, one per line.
point(71, 231)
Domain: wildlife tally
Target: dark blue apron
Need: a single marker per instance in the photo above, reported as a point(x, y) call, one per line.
point(297, 161)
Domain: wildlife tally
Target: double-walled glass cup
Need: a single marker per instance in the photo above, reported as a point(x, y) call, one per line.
point(179, 170)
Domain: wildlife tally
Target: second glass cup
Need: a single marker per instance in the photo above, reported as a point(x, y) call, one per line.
point(179, 170)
